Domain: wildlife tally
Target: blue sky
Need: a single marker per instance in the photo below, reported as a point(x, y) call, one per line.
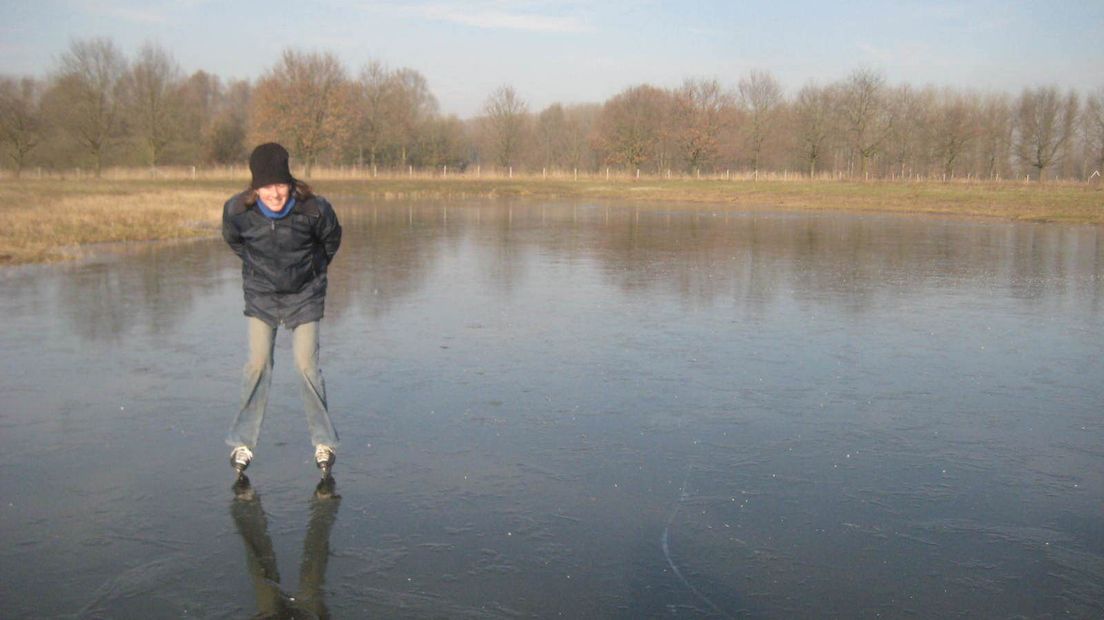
point(574, 51)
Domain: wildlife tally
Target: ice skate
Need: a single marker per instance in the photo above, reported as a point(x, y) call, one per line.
point(240, 457)
point(324, 458)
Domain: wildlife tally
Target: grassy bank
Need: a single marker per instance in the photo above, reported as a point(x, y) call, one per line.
point(45, 220)
point(1073, 203)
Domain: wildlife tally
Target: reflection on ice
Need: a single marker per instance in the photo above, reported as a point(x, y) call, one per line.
point(308, 601)
point(577, 410)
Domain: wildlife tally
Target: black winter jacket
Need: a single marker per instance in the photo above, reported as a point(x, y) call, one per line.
point(284, 261)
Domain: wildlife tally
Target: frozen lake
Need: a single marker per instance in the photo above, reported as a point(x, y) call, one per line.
point(573, 410)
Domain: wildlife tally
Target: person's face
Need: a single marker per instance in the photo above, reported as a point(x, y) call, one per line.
point(274, 196)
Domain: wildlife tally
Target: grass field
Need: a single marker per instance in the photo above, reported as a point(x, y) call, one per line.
point(46, 220)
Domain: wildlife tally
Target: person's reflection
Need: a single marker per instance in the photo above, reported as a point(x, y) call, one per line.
point(272, 601)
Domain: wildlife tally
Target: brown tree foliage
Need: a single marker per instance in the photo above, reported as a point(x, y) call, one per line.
point(702, 109)
point(304, 101)
point(630, 131)
point(93, 110)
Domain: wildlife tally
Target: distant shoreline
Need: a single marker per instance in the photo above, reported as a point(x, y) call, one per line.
point(43, 217)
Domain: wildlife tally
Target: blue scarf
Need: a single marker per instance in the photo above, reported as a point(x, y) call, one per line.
point(273, 215)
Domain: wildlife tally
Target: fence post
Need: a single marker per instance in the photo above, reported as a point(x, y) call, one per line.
point(544, 173)
point(576, 174)
point(410, 171)
point(511, 172)
point(446, 172)
point(638, 173)
point(607, 173)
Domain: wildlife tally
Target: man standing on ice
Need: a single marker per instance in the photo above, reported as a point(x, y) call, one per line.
point(286, 237)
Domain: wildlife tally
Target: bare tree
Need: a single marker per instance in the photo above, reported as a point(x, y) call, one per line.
point(20, 118)
point(224, 140)
point(410, 106)
point(552, 133)
point(304, 101)
point(863, 107)
point(579, 121)
point(197, 102)
point(906, 119)
point(761, 99)
point(506, 115)
point(630, 127)
point(994, 141)
point(154, 87)
point(371, 99)
point(213, 122)
point(701, 108)
point(814, 122)
point(1094, 130)
point(1045, 122)
point(956, 126)
point(89, 86)
point(442, 142)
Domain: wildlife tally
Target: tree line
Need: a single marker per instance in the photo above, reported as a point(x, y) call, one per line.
point(98, 108)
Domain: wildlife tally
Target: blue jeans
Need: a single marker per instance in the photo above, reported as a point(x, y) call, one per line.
point(257, 377)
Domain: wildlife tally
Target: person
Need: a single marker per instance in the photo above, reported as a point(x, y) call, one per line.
point(286, 238)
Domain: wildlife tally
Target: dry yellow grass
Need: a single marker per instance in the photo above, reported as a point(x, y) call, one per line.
point(43, 219)
point(1052, 202)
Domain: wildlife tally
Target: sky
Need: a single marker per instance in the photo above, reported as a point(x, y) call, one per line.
point(587, 51)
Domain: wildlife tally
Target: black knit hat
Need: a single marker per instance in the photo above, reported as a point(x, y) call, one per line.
point(269, 165)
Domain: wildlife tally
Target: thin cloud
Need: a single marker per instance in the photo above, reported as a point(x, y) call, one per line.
point(874, 53)
point(500, 17)
point(143, 15)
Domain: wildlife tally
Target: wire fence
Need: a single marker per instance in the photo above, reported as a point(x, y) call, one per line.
point(495, 173)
